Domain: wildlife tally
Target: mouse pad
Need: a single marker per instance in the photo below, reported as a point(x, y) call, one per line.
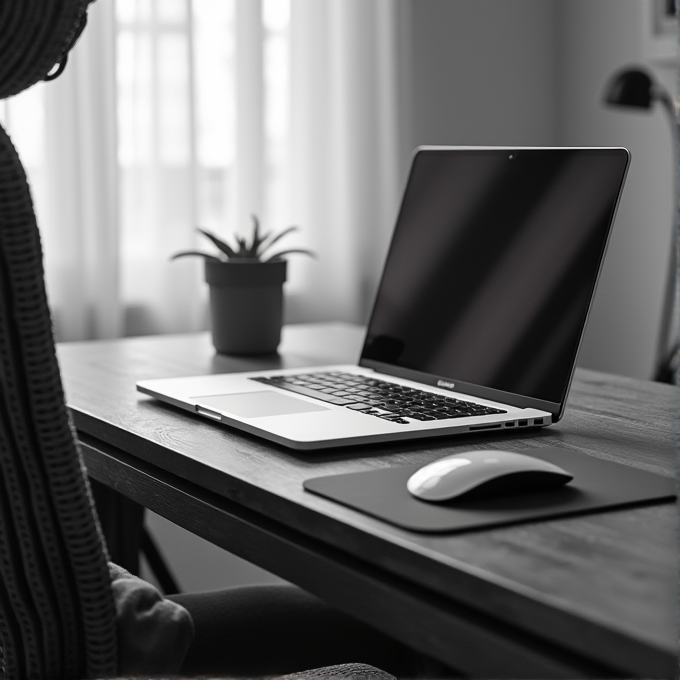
point(597, 485)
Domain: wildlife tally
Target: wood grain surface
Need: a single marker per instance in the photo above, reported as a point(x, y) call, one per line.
point(595, 593)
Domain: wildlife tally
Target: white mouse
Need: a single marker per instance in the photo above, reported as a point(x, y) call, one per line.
point(485, 473)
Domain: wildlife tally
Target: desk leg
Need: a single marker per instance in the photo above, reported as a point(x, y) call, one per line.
point(122, 522)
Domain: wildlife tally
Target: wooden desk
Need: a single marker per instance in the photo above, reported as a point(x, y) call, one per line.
point(592, 596)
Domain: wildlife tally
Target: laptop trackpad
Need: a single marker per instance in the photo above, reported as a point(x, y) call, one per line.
point(258, 404)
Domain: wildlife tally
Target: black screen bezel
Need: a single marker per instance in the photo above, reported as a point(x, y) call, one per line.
point(556, 409)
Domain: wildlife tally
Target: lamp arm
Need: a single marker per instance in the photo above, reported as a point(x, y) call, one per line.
point(662, 95)
point(669, 337)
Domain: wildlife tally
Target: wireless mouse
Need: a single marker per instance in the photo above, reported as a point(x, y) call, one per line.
point(485, 474)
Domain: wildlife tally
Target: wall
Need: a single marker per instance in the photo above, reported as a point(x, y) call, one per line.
point(597, 38)
point(484, 72)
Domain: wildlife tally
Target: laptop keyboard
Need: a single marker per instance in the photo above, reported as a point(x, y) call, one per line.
point(380, 398)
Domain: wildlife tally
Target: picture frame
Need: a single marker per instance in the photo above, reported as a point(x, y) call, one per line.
point(665, 17)
point(659, 23)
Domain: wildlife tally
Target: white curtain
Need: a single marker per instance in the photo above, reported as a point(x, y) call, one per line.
point(78, 212)
point(349, 144)
point(177, 113)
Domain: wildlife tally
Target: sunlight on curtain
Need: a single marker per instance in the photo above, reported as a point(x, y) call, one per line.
point(174, 114)
point(350, 146)
point(157, 165)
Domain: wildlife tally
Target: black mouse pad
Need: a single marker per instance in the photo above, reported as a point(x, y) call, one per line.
point(597, 485)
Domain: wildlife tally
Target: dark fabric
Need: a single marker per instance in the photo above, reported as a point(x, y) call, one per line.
point(154, 633)
point(280, 629)
point(56, 605)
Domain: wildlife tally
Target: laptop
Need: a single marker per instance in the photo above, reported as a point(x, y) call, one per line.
point(478, 316)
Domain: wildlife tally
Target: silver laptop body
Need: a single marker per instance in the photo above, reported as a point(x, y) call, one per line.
point(478, 317)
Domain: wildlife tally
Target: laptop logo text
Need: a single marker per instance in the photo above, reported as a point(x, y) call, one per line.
point(444, 383)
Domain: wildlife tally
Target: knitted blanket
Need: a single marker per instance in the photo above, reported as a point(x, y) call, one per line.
point(56, 607)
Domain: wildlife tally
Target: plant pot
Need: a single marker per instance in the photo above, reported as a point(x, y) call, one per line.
point(246, 305)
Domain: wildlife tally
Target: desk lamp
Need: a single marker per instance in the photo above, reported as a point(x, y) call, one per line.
point(635, 88)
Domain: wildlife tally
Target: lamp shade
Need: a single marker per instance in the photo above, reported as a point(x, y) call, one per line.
point(631, 87)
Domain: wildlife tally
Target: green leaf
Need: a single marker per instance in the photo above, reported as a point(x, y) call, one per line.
point(224, 247)
point(281, 253)
point(185, 253)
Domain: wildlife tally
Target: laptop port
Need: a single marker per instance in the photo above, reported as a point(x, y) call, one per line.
point(483, 427)
point(522, 423)
point(208, 413)
point(509, 424)
point(538, 421)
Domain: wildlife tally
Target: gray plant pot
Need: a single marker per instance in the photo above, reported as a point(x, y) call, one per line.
point(246, 305)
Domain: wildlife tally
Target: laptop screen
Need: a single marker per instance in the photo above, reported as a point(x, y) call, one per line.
point(493, 265)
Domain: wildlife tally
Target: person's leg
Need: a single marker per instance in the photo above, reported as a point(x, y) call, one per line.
point(277, 629)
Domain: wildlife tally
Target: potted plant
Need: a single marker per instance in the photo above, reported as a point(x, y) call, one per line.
point(246, 290)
